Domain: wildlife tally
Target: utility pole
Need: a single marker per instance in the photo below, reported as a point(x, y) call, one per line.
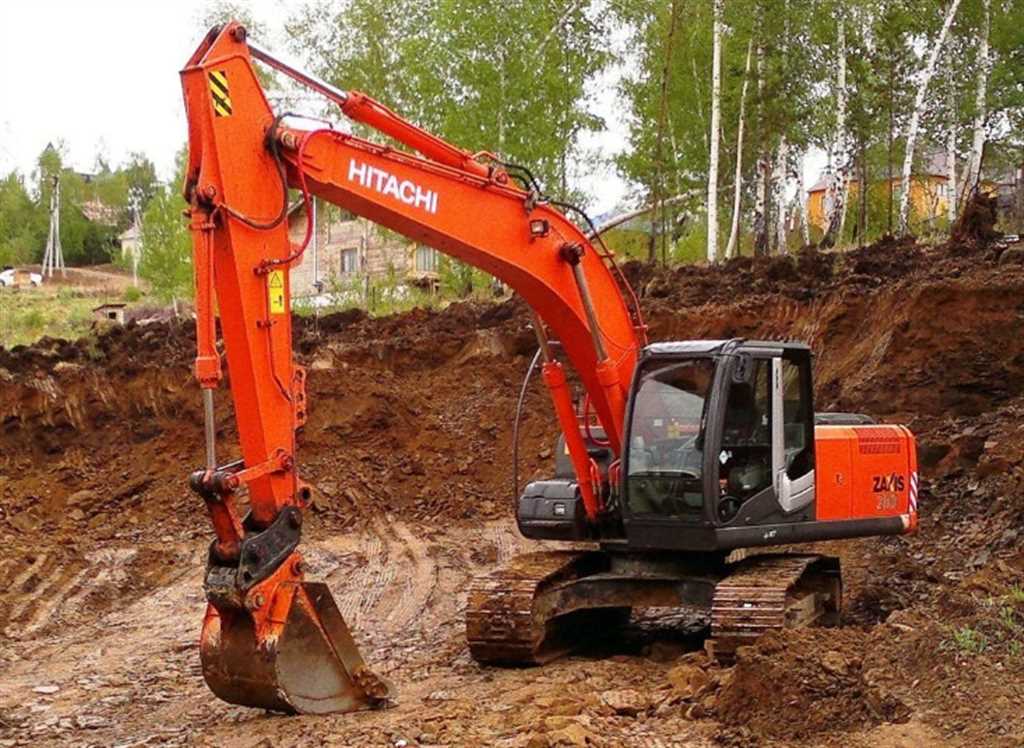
point(53, 258)
point(135, 201)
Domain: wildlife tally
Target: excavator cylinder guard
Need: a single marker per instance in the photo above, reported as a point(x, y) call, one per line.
point(310, 665)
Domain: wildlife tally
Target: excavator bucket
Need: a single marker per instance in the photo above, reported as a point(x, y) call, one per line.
point(308, 665)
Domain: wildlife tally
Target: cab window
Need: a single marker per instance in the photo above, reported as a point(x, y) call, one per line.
point(798, 429)
point(745, 456)
point(666, 450)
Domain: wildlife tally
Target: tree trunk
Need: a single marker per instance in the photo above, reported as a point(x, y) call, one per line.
point(973, 174)
point(730, 248)
point(762, 167)
point(865, 187)
point(845, 199)
point(839, 182)
point(501, 111)
point(631, 214)
point(889, 150)
point(805, 224)
point(699, 98)
point(915, 117)
point(716, 94)
point(951, 191)
point(781, 183)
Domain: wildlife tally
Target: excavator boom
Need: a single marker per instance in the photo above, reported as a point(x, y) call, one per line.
point(270, 638)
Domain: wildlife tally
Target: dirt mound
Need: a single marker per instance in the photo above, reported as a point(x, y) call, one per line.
point(412, 413)
point(799, 684)
point(977, 221)
point(802, 276)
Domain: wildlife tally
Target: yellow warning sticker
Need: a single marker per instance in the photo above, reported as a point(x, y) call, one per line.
point(220, 93)
point(275, 286)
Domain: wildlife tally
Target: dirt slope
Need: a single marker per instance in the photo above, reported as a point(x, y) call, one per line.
point(408, 446)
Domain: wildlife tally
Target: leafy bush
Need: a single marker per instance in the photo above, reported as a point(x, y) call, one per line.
point(166, 247)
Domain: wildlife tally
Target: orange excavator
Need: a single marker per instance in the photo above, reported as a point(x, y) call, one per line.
point(680, 460)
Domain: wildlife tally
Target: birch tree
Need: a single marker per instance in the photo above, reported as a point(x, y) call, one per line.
point(838, 182)
point(973, 172)
point(782, 156)
point(915, 117)
point(779, 196)
point(715, 136)
point(762, 168)
point(461, 70)
point(951, 191)
point(730, 248)
point(805, 223)
point(666, 87)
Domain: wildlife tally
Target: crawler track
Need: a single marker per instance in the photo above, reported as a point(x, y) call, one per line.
point(507, 619)
point(771, 592)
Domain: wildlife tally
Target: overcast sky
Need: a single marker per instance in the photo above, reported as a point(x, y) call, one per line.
point(102, 77)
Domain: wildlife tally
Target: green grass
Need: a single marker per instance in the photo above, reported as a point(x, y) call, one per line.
point(29, 314)
point(1016, 595)
point(969, 640)
point(386, 296)
point(996, 630)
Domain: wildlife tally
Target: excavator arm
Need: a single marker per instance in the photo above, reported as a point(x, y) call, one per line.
point(270, 638)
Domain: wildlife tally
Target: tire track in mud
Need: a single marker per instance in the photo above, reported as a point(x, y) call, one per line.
point(360, 570)
point(51, 601)
point(401, 586)
point(19, 581)
point(381, 572)
point(420, 580)
point(23, 590)
point(391, 581)
point(58, 590)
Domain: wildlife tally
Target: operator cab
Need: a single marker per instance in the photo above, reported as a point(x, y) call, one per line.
point(720, 437)
point(720, 450)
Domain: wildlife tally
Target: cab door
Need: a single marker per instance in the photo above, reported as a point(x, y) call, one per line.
point(765, 451)
point(793, 431)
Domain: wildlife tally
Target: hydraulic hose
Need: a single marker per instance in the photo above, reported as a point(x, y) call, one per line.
point(515, 425)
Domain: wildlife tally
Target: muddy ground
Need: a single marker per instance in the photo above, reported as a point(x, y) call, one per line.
point(408, 446)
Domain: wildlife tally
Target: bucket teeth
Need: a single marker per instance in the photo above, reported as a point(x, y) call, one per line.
point(307, 664)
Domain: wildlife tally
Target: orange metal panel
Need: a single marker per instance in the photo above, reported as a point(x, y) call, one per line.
point(229, 170)
point(865, 472)
point(881, 464)
point(834, 480)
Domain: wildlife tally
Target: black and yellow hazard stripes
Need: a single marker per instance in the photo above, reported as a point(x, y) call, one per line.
point(220, 93)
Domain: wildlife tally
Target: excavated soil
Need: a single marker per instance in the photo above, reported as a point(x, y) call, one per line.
point(409, 450)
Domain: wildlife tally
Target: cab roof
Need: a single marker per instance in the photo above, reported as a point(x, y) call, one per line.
point(712, 347)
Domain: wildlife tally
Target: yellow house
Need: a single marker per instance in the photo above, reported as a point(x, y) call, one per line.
point(929, 193)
